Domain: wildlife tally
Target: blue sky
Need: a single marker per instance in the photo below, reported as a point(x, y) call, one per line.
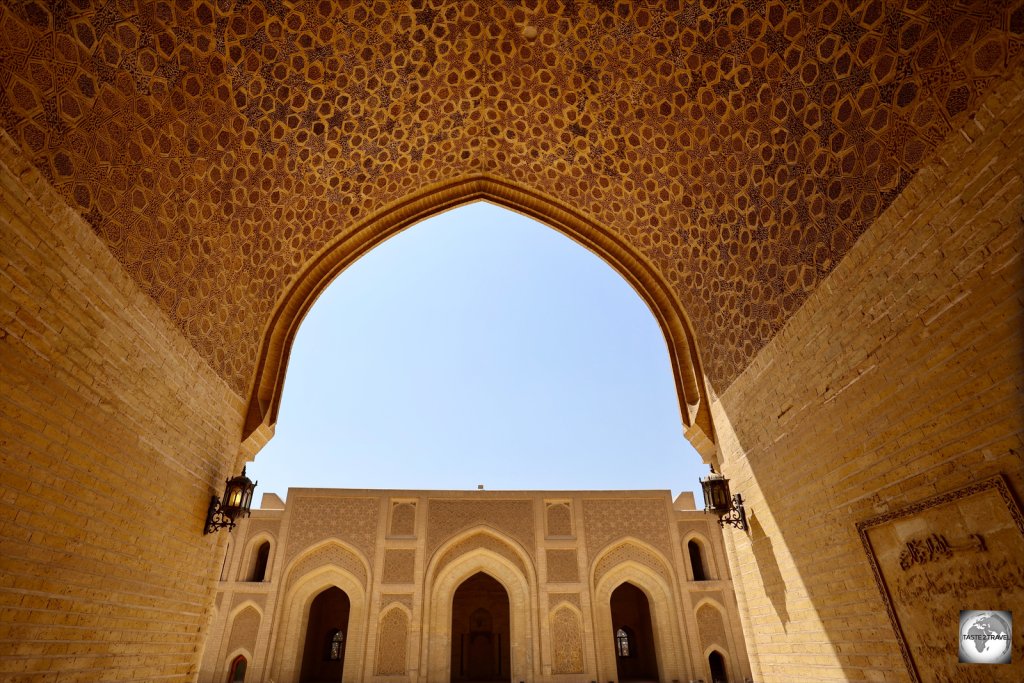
point(479, 347)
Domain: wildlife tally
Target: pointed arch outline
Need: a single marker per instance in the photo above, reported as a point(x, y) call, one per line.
point(725, 648)
point(724, 654)
point(433, 565)
point(664, 610)
point(707, 554)
point(382, 614)
point(267, 382)
point(435, 648)
point(609, 548)
point(584, 641)
point(248, 557)
point(232, 656)
point(289, 576)
point(293, 619)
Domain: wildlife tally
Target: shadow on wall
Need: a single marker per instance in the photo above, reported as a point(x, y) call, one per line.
point(768, 566)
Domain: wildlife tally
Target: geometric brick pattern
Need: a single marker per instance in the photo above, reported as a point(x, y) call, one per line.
point(606, 520)
point(392, 643)
point(630, 552)
point(481, 541)
point(562, 565)
point(445, 518)
point(710, 626)
point(566, 642)
point(739, 148)
point(354, 519)
point(559, 519)
point(399, 566)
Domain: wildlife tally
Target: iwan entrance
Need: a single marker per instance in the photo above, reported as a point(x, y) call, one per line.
point(480, 631)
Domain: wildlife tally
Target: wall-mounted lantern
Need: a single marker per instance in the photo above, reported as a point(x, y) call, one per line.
point(237, 499)
point(717, 500)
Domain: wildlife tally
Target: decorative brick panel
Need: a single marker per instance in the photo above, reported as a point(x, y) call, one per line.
point(563, 566)
point(445, 518)
point(399, 566)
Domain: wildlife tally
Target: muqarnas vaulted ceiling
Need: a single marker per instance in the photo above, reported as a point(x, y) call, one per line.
point(740, 147)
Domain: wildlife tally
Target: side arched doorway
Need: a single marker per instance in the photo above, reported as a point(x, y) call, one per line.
point(716, 662)
point(635, 655)
point(323, 653)
point(237, 672)
point(480, 631)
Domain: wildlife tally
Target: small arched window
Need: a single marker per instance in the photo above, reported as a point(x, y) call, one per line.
point(623, 643)
point(696, 561)
point(335, 645)
point(238, 667)
point(259, 567)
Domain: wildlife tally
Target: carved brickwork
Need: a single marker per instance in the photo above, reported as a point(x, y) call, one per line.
point(401, 598)
point(629, 551)
point(244, 630)
point(399, 566)
point(392, 642)
point(563, 566)
point(256, 598)
point(571, 598)
point(606, 520)
point(958, 550)
point(486, 541)
point(566, 642)
point(258, 526)
point(403, 519)
point(445, 518)
point(217, 148)
point(313, 518)
point(559, 519)
point(710, 626)
point(330, 554)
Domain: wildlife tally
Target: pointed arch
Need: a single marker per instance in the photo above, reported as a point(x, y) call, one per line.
point(565, 627)
point(293, 617)
point(706, 554)
point(629, 549)
point(238, 657)
point(392, 658)
point(436, 660)
point(250, 556)
point(328, 551)
point(482, 536)
point(664, 609)
point(267, 383)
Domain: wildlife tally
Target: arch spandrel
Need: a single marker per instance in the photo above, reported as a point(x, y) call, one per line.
point(265, 398)
point(738, 153)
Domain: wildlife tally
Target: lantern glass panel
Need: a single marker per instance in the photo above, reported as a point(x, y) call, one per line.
point(234, 495)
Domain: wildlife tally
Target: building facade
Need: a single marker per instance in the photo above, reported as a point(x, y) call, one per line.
point(365, 585)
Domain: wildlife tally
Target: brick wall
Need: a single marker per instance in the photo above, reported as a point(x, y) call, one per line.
point(899, 378)
point(113, 436)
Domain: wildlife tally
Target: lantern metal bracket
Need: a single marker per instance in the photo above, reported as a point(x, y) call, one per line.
point(216, 517)
point(736, 516)
point(223, 512)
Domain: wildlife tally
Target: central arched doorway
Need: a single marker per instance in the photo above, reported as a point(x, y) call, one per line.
point(480, 631)
point(323, 654)
point(635, 657)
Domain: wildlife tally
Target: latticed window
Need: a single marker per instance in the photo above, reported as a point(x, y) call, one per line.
point(623, 646)
point(335, 645)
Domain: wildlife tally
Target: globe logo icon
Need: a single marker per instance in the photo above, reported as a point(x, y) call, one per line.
point(985, 637)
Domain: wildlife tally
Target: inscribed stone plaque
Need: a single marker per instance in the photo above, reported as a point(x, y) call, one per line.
point(956, 551)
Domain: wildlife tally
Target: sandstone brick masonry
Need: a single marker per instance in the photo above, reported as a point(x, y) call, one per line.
point(899, 378)
point(400, 628)
point(113, 435)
